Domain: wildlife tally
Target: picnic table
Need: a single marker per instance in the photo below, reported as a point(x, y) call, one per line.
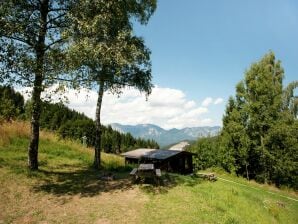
point(146, 171)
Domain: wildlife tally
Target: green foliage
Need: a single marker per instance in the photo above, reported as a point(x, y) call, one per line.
point(259, 135)
point(290, 100)
point(105, 53)
point(206, 149)
point(31, 42)
point(259, 125)
point(283, 144)
point(111, 141)
point(104, 50)
point(53, 116)
point(12, 103)
point(7, 110)
point(31, 52)
point(71, 124)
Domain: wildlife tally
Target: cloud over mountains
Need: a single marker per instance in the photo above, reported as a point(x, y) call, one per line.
point(166, 107)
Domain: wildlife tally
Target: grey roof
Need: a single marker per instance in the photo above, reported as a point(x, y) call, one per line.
point(137, 153)
point(180, 146)
point(150, 153)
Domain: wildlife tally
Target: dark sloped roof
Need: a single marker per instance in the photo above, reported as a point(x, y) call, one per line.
point(138, 153)
point(159, 154)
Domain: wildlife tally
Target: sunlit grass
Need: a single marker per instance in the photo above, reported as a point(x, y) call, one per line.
point(218, 202)
point(67, 189)
point(11, 130)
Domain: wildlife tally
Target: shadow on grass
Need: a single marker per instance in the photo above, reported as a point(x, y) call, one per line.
point(89, 182)
point(85, 182)
point(168, 181)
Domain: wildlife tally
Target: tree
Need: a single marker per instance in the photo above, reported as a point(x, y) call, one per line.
point(230, 136)
point(263, 98)
point(283, 144)
point(260, 125)
point(31, 44)
point(12, 103)
point(290, 100)
point(207, 150)
point(106, 53)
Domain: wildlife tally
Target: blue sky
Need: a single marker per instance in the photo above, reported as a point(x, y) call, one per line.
point(203, 47)
point(200, 51)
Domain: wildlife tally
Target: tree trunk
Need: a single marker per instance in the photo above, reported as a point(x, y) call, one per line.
point(264, 162)
point(97, 147)
point(37, 87)
point(34, 140)
point(246, 168)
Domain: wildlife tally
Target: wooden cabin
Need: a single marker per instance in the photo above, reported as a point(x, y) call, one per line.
point(176, 161)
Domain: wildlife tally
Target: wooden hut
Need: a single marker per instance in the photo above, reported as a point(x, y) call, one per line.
point(169, 160)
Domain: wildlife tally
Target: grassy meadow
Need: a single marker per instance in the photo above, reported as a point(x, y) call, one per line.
point(67, 190)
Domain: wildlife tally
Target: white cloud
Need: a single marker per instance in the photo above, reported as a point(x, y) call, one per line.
point(207, 101)
point(218, 101)
point(166, 107)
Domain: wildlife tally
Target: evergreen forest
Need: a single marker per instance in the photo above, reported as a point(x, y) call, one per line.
point(68, 124)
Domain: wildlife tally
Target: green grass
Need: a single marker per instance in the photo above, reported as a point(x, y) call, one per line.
point(67, 190)
point(218, 202)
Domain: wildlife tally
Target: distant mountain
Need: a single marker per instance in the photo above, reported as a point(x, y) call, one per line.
point(166, 137)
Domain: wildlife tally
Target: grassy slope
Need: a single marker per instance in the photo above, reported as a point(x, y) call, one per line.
point(67, 190)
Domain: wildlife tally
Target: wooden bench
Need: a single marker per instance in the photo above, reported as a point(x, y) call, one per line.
point(157, 176)
point(208, 176)
point(134, 172)
point(134, 175)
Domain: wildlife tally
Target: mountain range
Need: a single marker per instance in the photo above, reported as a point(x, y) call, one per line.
point(166, 137)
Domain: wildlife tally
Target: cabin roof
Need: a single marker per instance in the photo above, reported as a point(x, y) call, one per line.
point(159, 154)
point(181, 146)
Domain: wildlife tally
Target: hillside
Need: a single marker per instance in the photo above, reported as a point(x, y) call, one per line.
point(68, 123)
point(165, 137)
point(67, 190)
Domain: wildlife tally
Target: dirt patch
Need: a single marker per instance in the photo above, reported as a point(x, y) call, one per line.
point(20, 203)
point(102, 221)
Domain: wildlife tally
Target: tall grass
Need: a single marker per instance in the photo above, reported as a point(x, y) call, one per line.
point(14, 129)
point(53, 151)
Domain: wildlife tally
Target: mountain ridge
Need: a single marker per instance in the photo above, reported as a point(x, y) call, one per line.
point(166, 137)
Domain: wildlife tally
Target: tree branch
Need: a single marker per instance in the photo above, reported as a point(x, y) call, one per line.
point(57, 9)
point(27, 42)
point(53, 43)
point(56, 27)
point(23, 76)
point(55, 18)
point(89, 80)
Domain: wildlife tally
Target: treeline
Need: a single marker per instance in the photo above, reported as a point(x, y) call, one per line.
point(259, 139)
point(69, 123)
point(74, 125)
point(11, 103)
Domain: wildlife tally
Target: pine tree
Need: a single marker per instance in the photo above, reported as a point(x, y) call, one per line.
point(12, 103)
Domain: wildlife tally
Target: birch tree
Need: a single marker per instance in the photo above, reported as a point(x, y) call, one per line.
point(31, 45)
point(105, 54)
